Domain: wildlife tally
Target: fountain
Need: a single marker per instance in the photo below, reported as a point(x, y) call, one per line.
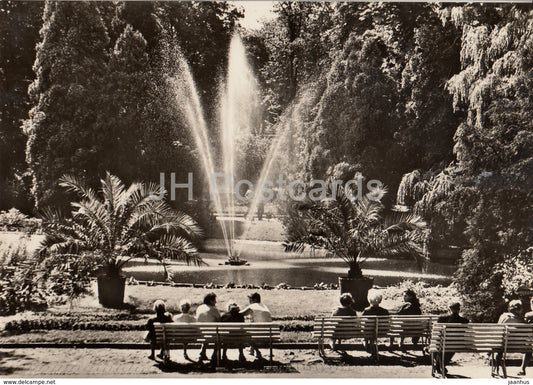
point(238, 106)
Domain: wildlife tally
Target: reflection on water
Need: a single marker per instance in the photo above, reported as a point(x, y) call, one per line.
point(270, 264)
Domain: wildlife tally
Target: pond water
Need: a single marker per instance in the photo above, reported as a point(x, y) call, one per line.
point(268, 263)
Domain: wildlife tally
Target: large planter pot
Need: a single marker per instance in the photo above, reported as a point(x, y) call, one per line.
point(358, 288)
point(111, 291)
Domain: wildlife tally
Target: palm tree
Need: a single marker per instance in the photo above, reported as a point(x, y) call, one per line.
point(117, 224)
point(354, 230)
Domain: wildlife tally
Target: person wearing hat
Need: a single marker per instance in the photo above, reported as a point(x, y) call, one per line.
point(346, 309)
point(162, 317)
point(454, 318)
point(258, 312)
point(513, 316)
point(233, 315)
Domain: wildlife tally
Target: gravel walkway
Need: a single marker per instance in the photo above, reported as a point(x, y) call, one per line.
point(108, 363)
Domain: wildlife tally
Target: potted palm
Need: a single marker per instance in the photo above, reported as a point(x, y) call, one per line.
point(354, 230)
point(116, 224)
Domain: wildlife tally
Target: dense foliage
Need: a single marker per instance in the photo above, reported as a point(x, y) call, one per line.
point(354, 229)
point(110, 227)
point(433, 100)
point(20, 284)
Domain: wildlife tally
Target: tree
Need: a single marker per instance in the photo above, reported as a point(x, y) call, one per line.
point(64, 130)
point(485, 194)
point(356, 113)
point(354, 230)
point(124, 102)
point(116, 224)
point(19, 32)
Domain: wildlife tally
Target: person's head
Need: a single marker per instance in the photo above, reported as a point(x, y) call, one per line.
point(346, 299)
point(210, 299)
point(374, 298)
point(515, 307)
point(185, 306)
point(255, 298)
point(159, 307)
point(455, 307)
point(233, 307)
point(409, 295)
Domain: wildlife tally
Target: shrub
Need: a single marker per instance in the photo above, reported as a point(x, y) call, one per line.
point(68, 276)
point(19, 281)
point(14, 220)
point(516, 271)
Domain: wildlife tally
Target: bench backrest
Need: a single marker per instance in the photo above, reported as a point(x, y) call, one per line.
point(411, 325)
point(215, 332)
point(373, 326)
point(482, 337)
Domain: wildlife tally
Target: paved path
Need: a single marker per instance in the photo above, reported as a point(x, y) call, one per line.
point(23, 363)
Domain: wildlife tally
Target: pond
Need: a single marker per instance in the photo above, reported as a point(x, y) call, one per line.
point(269, 264)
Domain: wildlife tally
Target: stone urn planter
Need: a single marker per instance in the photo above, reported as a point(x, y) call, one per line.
point(111, 291)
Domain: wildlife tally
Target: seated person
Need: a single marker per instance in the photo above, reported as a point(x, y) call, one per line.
point(346, 309)
point(258, 312)
point(207, 312)
point(186, 318)
point(411, 306)
point(374, 298)
point(233, 315)
point(514, 315)
point(162, 317)
point(452, 317)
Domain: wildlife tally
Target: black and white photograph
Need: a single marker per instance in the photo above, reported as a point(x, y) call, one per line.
point(266, 189)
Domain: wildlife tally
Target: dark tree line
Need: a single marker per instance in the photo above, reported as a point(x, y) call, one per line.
point(433, 100)
point(84, 91)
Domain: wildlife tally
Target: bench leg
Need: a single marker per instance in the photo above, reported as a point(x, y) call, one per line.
point(498, 360)
point(443, 365)
point(504, 367)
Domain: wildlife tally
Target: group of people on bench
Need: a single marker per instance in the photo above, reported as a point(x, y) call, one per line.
point(411, 306)
point(207, 312)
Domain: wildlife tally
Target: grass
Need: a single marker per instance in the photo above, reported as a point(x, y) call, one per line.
point(294, 309)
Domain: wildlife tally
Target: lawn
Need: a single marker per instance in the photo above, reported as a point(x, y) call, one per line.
point(293, 309)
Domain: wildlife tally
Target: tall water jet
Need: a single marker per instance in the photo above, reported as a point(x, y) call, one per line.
point(239, 104)
point(186, 93)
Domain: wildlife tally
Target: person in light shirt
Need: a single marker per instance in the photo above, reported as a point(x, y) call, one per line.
point(207, 312)
point(514, 315)
point(186, 318)
point(257, 312)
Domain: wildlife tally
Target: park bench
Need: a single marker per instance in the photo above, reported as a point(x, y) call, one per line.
point(216, 335)
point(480, 338)
point(370, 328)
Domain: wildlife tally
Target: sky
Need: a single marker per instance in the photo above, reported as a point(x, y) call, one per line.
point(255, 11)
